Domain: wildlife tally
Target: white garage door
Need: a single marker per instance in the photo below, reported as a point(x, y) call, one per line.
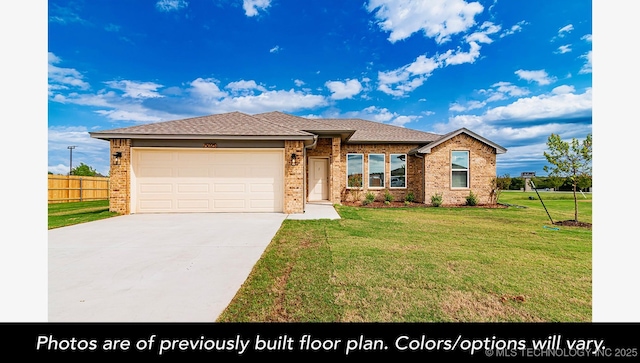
point(207, 180)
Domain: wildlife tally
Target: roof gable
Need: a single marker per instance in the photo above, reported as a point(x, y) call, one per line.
point(427, 148)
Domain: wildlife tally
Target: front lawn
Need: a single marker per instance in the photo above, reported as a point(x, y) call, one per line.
point(425, 265)
point(66, 214)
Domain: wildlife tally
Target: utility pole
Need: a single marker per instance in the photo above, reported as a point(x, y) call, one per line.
point(70, 158)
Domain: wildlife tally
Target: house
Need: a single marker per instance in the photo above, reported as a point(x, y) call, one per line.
point(276, 162)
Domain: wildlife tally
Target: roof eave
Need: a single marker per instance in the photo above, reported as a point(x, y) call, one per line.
point(109, 136)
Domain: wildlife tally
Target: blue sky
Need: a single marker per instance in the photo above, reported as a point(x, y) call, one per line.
point(512, 71)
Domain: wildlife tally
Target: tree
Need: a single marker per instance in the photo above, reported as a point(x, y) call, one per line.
point(83, 170)
point(571, 160)
point(499, 183)
point(556, 182)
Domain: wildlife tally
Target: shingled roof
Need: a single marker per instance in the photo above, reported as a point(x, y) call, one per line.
point(273, 125)
point(225, 124)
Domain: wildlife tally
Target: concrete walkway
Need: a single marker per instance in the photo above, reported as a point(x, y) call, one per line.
point(158, 267)
point(319, 210)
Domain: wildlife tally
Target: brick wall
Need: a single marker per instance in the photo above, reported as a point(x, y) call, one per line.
point(482, 169)
point(414, 166)
point(120, 178)
point(293, 178)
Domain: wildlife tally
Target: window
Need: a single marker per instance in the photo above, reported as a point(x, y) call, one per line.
point(355, 170)
point(459, 169)
point(376, 170)
point(398, 171)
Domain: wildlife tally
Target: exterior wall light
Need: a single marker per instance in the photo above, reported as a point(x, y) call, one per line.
point(116, 157)
point(293, 159)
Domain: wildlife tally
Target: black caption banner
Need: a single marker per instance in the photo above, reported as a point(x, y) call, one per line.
point(341, 341)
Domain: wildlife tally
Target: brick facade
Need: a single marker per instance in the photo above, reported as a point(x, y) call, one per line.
point(119, 179)
point(482, 169)
point(426, 175)
point(294, 178)
point(414, 180)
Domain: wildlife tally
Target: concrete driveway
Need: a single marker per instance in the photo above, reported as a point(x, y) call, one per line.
point(154, 267)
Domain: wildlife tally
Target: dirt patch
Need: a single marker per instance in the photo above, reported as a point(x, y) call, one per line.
point(477, 307)
point(573, 223)
point(278, 311)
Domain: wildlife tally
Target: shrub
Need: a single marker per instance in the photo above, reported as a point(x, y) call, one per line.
point(388, 197)
point(410, 197)
point(472, 199)
point(436, 200)
point(369, 198)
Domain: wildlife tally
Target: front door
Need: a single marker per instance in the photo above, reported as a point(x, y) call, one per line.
point(318, 179)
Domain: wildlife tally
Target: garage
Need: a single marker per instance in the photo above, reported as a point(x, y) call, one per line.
point(166, 180)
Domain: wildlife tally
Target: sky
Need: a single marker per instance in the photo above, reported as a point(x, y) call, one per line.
point(512, 71)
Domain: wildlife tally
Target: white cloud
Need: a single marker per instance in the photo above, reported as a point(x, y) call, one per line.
point(460, 57)
point(275, 49)
point(540, 76)
point(341, 90)
point(135, 89)
point(587, 38)
point(503, 90)
point(171, 5)
point(280, 100)
point(371, 113)
point(251, 7)
point(564, 30)
point(471, 105)
point(554, 105)
point(299, 83)
point(244, 86)
point(587, 67)
point(564, 89)
point(374, 113)
point(438, 19)
point(206, 89)
point(400, 81)
point(514, 29)
point(63, 78)
point(482, 36)
point(564, 49)
point(561, 103)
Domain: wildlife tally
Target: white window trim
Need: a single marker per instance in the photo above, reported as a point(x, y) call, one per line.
point(406, 164)
point(466, 169)
point(347, 161)
point(384, 173)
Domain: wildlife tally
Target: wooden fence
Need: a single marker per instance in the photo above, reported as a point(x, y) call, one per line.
point(63, 188)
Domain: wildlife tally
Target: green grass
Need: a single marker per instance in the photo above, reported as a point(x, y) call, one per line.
point(424, 265)
point(66, 214)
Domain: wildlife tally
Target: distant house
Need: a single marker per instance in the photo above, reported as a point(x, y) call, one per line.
point(276, 162)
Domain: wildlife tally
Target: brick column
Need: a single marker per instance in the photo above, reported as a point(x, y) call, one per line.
point(336, 172)
point(120, 179)
point(293, 178)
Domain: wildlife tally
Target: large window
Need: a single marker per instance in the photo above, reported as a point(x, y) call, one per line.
point(355, 170)
point(398, 165)
point(459, 169)
point(376, 170)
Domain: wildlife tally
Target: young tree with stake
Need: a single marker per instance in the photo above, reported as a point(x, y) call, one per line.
point(571, 160)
